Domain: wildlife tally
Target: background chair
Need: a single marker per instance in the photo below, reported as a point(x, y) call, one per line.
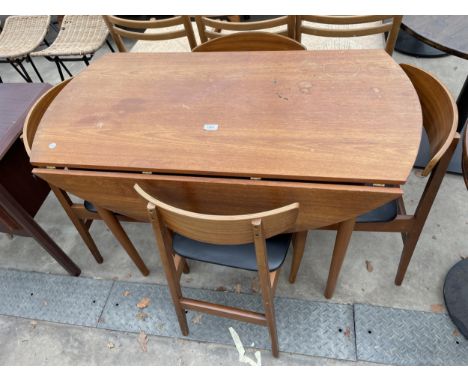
point(249, 41)
point(156, 30)
point(335, 32)
point(78, 39)
point(283, 25)
point(251, 242)
point(440, 118)
point(19, 37)
point(81, 214)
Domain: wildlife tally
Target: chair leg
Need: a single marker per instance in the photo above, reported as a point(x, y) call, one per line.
point(24, 75)
point(168, 261)
point(270, 316)
point(35, 69)
point(59, 68)
point(64, 66)
point(175, 290)
point(299, 240)
point(111, 48)
point(116, 228)
point(343, 236)
point(408, 249)
point(80, 226)
point(186, 269)
point(265, 284)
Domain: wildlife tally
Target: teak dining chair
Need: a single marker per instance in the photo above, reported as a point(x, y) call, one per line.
point(81, 214)
point(440, 118)
point(205, 22)
point(254, 242)
point(116, 25)
point(249, 41)
point(340, 26)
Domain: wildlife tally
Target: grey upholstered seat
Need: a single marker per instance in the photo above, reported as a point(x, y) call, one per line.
point(234, 256)
point(385, 213)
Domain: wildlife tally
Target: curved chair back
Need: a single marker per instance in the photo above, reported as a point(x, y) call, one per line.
point(465, 156)
point(204, 23)
point(322, 26)
point(36, 113)
point(222, 229)
point(115, 25)
point(22, 34)
point(249, 41)
point(440, 115)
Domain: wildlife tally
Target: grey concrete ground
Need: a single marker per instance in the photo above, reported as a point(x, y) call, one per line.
point(444, 241)
point(28, 342)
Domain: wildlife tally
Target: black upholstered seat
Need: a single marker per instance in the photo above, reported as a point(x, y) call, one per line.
point(234, 256)
point(89, 206)
point(385, 213)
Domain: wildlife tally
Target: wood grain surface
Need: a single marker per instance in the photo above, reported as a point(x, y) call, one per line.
point(337, 116)
point(320, 204)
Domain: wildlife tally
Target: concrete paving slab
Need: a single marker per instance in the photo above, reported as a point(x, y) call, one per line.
point(304, 327)
point(27, 342)
point(404, 337)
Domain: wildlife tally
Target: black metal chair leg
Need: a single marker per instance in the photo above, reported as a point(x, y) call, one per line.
point(63, 65)
point(22, 74)
point(59, 68)
point(110, 46)
point(28, 77)
point(86, 61)
point(35, 69)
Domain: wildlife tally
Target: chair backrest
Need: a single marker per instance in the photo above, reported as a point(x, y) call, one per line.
point(249, 41)
point(205, 22)
point(465, 156)
point(222, 229)
point(23, 34)
point(322, 26)
point(138, 27)
point(87, 32)
point(440, 115)
point(36, 113)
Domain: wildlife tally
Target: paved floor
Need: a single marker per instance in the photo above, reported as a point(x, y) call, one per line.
point(443, 242)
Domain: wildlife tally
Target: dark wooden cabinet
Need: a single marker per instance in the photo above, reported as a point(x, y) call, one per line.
point(22, 193)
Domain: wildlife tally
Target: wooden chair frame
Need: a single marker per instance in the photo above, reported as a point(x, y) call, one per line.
point(204, 22)
point(76, 212)
point(440, 119)
point(115, 23)
point(391, 27)
point(249, 41)
point(219, 229)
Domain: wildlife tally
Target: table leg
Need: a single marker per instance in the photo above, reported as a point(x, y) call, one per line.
point(14, 209)
point(343, 236)
point(116, 228)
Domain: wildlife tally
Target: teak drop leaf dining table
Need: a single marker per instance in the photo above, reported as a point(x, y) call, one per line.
point(235, 133)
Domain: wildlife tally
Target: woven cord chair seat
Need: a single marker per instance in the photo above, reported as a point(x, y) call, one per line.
point(78, 36)
point(22, 34)
point(376, 41)
point(174, 45)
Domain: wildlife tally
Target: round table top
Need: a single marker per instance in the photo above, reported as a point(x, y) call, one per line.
point(447, 33)
point(336, 116)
